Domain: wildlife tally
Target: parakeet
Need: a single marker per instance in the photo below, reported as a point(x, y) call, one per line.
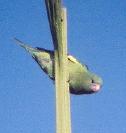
point(81, 80)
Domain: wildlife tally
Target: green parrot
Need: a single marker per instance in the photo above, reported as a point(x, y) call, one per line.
point(81, 80)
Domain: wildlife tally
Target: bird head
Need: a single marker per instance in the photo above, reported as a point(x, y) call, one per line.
point(88, 83)
point(94, 83)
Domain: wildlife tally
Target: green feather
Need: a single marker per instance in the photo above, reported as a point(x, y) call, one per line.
point(80, 78)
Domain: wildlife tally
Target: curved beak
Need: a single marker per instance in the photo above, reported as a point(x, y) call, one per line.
point(95, 87)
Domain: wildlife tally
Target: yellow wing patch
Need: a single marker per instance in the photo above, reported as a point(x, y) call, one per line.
point(71, 58)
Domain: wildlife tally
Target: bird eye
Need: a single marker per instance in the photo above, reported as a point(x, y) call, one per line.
point(92, 81)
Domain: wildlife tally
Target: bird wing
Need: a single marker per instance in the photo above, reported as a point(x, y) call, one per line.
point(74, 60)
point(71, 58)
point(45, 50)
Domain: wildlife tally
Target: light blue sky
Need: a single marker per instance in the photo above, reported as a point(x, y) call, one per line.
point(96, 36)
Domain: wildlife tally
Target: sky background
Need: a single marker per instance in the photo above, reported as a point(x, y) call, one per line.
point(96, 36)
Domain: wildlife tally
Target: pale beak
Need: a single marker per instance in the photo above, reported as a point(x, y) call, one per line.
point(95, 87)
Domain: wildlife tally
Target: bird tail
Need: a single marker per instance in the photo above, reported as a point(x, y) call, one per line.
point(25, 46)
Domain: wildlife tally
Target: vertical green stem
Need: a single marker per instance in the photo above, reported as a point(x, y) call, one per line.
point(58, 26)
point(62, 91)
